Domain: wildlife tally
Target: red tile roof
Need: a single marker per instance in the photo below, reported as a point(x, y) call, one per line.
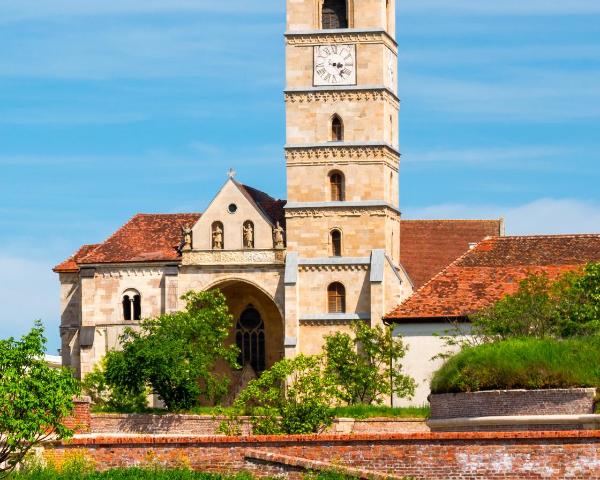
point(144, 238)
point(70, 264)
point(427, 246)
point(494, 269)
point(270, 206)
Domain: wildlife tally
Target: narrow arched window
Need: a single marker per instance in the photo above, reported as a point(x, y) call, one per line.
point(336, 243)
point(334, 14)
point(132, 305)
point(337, 129)
point(218, 234)
point(250, 339)
point(336, 183)
point(336, 298)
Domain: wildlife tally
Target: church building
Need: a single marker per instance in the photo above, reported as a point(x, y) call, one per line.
point(292, 270)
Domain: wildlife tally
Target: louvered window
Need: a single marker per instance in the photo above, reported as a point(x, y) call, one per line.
point(336, 181)
point(336, 296)
point(334, 14)
point(337, 129)
point(336, 243)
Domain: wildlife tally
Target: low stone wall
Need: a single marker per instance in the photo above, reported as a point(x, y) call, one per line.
point(431, 456)
point(574, 401)
point(208, 425)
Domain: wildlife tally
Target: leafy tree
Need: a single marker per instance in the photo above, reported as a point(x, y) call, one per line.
point(367, 366)
point(542, 308)
point(106, 398)
point(292, 397)
point(176, 353)
point(34, 398)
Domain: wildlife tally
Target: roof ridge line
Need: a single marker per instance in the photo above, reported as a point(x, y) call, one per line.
point(112, 235)
point(557, 235)
point(451, 219)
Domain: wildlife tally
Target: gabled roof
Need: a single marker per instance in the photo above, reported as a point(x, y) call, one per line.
point(144, 238)
point(493, 269)
point(427, 246)
point(70, 264)
point(157, 237)
point(271, 207)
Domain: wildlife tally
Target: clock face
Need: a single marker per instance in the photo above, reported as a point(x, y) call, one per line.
point(335, 65)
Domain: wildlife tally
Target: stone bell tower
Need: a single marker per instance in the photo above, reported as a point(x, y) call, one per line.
point(342, 159)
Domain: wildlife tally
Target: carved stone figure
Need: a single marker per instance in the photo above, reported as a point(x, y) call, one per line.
point(248, 235)
point(217, 237)
point(278, 236)
point(187, 238)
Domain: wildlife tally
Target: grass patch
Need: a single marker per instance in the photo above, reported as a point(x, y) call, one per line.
point(372, 411)
point(526, 363)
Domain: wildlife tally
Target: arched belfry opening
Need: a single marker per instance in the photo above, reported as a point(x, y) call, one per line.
point(334, 14)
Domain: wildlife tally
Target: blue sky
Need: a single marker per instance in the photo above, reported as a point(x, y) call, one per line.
point(108, 108)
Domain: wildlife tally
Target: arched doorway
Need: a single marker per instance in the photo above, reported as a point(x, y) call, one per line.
point(258, 331)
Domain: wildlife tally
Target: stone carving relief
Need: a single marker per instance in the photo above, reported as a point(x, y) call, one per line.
point(234, 257)
point(217, 236)
point(342, 96)
point(187, 239)
point(248, 235)
point(319, 38)
point(278, 241)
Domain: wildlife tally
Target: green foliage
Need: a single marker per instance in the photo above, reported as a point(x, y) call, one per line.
point(541, 308)
point(367, 366)
point(526, 363)
point(381, 411)
point(292, 397)
point(81, 471)
point(175, 354)
point(107, 399)
point(34, 398)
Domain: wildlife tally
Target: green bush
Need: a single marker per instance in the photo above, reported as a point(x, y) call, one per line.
point(381, 411)
point(526, 363)
point(292, 397)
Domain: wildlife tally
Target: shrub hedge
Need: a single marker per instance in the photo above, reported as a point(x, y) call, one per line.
point(526, 363)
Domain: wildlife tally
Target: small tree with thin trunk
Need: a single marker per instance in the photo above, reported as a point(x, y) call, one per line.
point(34, 398)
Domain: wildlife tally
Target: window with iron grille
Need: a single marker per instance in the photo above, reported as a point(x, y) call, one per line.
point(250, 339)
point(336, 298)
point(334, 14)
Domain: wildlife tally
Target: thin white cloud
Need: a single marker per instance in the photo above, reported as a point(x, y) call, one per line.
point(503, 7)
point(545, 216)
point(529, 157)
point(29, 292)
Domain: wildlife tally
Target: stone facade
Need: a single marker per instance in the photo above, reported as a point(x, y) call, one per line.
point(275, 260)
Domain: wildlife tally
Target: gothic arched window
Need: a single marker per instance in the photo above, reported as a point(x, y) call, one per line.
point(336, 183)
point(336, 243)
point(336, 298)
point(250, 339)
point(132, 305)
point(334, 14)
point(337, 129)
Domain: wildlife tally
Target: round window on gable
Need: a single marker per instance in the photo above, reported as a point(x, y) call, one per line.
point(232, 208)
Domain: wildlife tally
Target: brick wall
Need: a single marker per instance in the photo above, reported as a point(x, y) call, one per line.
point(513, 402)
point(432, 456)
point(80, 420)
point(208, 425)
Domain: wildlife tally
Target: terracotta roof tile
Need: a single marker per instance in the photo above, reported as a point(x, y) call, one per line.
point(70, 264)
point(271, 207)
point(494, 269)
point(144, 238)
point(427, 246)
